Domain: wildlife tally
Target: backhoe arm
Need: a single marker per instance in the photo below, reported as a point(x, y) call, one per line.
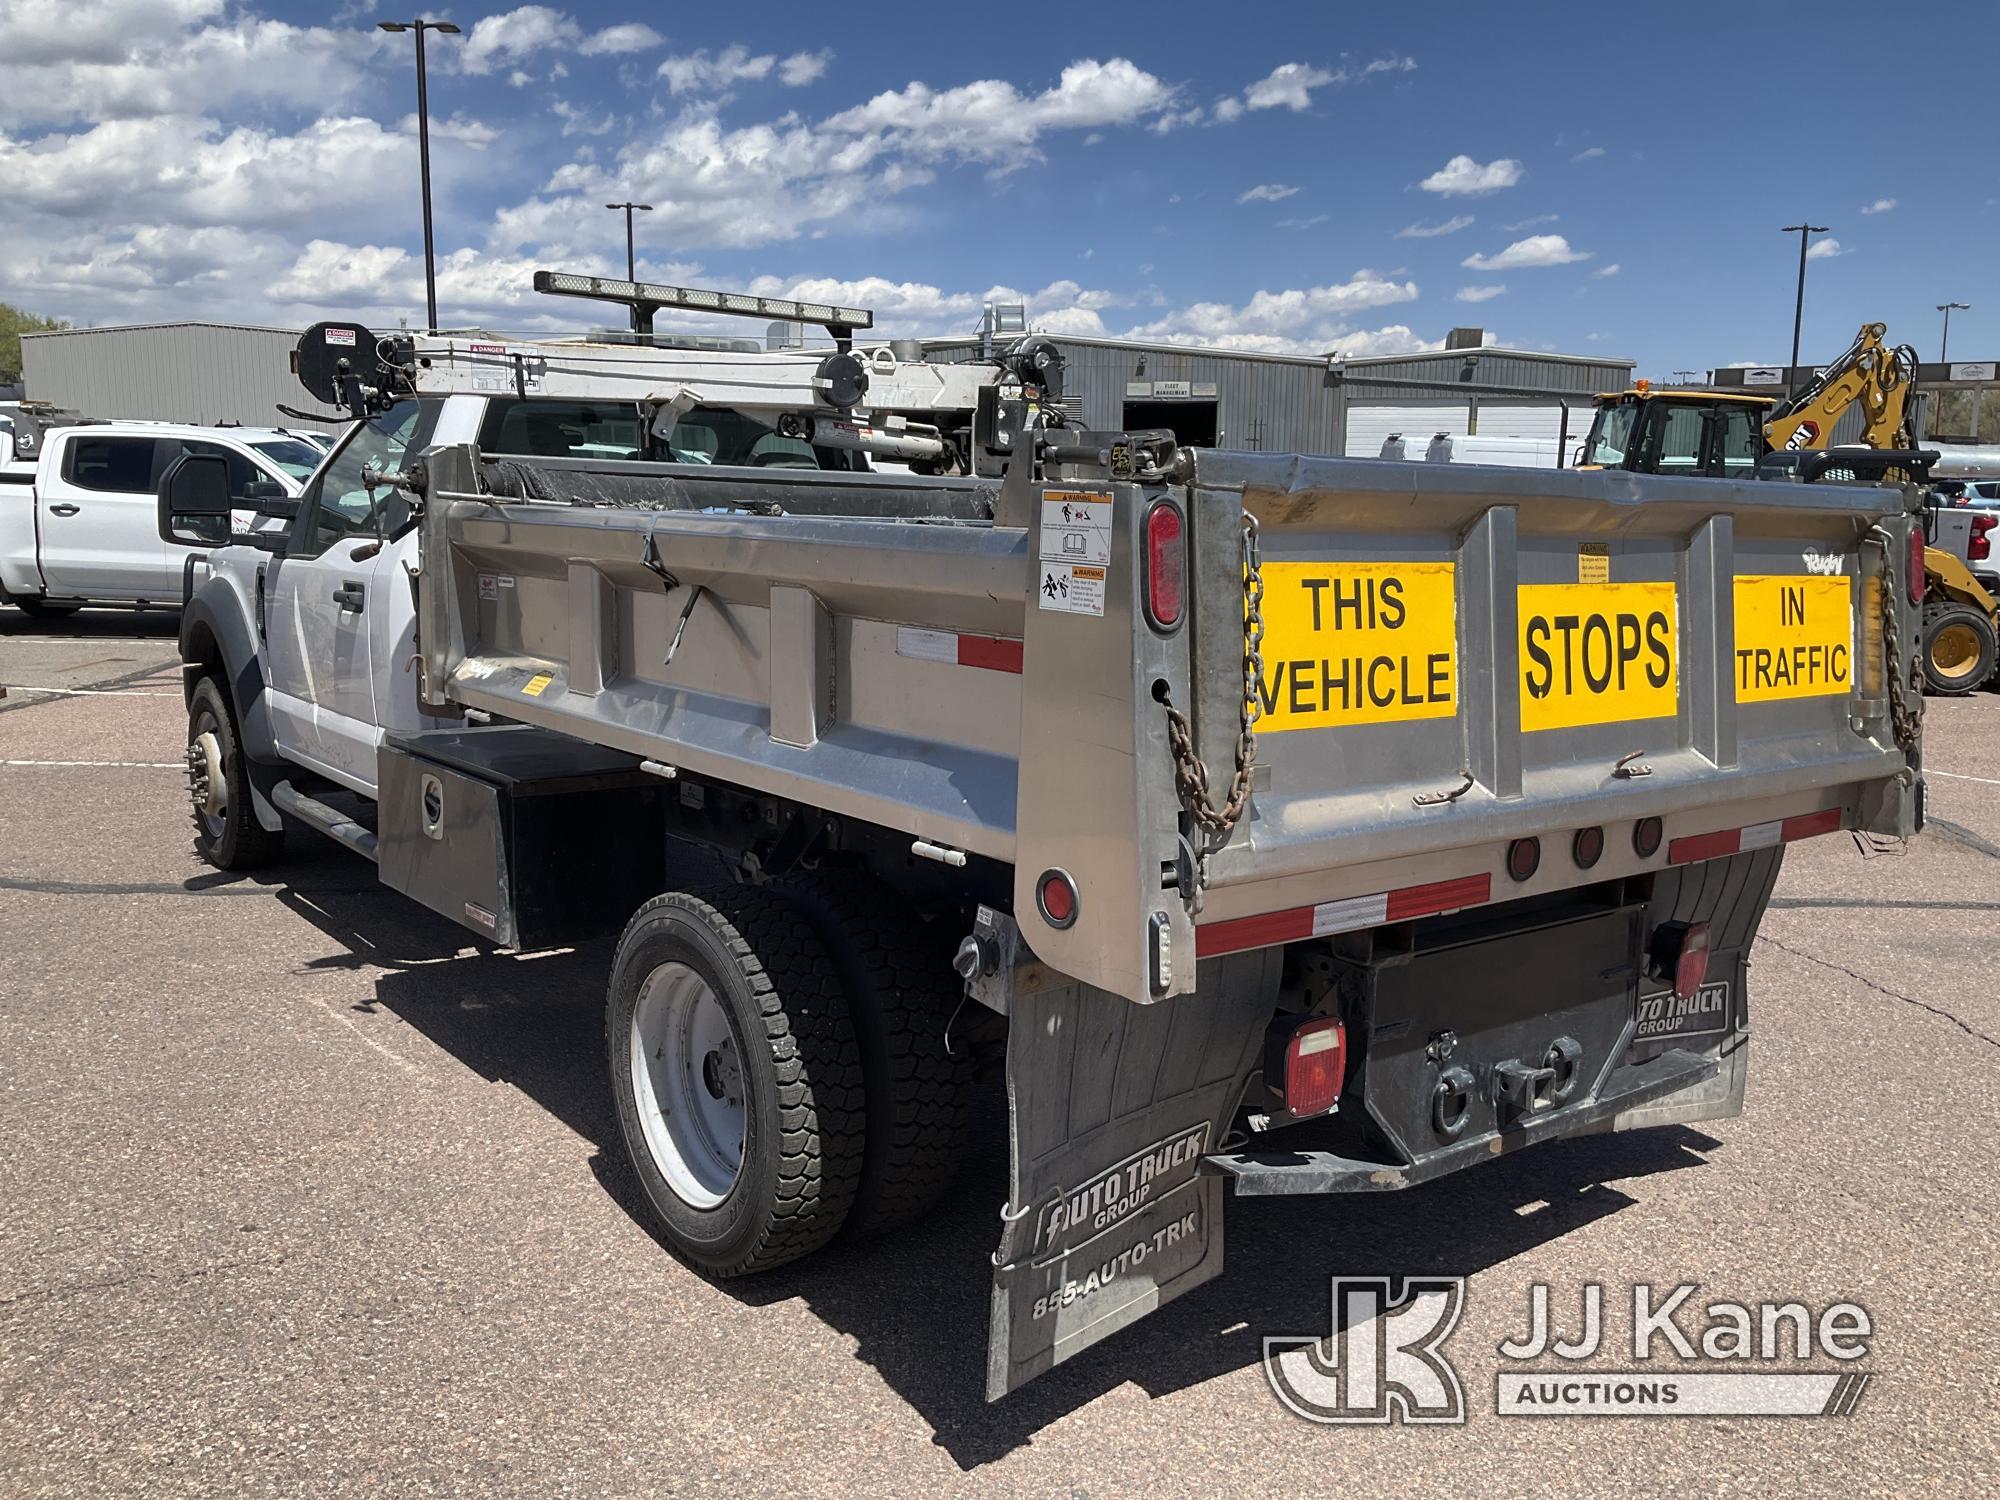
point(1877, 377)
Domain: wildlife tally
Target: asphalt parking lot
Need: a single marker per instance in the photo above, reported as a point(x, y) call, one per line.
point(304, 1193)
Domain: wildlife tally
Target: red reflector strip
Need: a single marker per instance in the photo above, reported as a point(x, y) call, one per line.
point(992, 652)
point(1726, 841)
point(1812, 825)
point(1240, 934)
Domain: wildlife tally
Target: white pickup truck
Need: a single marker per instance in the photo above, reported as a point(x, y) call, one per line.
point(77, 508)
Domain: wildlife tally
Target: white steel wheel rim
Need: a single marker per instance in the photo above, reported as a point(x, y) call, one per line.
point(687, 1079)
point(213, 806)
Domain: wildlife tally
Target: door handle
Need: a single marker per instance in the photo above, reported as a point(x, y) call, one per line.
point(64, 510)
point(349, 596)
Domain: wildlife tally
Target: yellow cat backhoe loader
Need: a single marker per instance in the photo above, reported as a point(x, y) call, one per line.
point(1740, 436)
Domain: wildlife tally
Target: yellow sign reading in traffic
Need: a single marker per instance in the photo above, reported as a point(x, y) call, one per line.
point(1598, 653)
point(1358, 643)
point(1794, 637)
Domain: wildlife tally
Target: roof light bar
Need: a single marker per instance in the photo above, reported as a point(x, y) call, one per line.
point(608, 289)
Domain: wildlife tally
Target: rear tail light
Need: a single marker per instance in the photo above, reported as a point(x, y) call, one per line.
point(1680, 951)
point(1978, 549)
point(1524, 857)
point(1166, 565)
point(1314, 1067)
point(1055, 894)
point(1646, 836)
point(1915, 566)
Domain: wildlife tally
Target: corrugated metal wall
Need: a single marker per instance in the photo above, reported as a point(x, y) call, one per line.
point(1491, 368)
point(170, 372)
point(1271, 405)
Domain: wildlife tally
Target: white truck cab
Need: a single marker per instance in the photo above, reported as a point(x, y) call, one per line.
point(78, 521)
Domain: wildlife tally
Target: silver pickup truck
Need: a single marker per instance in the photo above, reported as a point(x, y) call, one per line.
point(1287, 824)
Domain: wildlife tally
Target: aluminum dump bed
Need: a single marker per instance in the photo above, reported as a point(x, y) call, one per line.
point(1450, 660)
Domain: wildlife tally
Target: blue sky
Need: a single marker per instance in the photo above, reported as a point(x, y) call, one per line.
point(1300, 178)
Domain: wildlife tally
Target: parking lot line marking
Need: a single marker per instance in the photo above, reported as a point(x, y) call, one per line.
point(15, 687)
point(137, 765)
point(1961, 776)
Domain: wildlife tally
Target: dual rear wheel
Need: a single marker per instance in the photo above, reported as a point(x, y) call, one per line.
point(779, 1069)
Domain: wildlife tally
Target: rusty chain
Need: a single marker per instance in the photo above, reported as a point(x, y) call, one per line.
point(1190, 770)
point(1906, 700)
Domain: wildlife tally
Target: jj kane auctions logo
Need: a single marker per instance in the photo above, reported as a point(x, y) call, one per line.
point(1384, 1358)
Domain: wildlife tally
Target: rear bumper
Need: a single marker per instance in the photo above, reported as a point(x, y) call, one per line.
point(1270, 1173)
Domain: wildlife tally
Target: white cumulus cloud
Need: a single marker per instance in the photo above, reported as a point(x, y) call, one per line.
point(1535, 250)
point(1880, 206)
point(1604, 271)
point(1824, 249)
point(1462, 177)
point(1480, 293)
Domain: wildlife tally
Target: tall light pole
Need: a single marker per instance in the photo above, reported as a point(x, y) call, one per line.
point(631, 264)
point(1944, 344)
point(444, 28)
point(1805, 232)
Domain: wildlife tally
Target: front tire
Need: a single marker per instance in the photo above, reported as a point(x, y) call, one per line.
point(1960, 648)
point(736, 1078)
point(226, 831)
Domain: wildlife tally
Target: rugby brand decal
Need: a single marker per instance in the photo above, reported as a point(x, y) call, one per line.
point(1598, 653)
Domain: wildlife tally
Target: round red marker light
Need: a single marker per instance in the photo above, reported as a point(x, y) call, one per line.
point(1524, 857)
point(1056, 895)
point(1587, 848)
point(1646, 835)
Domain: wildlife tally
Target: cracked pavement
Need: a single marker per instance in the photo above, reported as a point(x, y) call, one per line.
point(304, 1192)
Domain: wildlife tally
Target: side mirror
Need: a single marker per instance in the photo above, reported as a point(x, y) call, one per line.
point(195, 502)
point(261, 489)
point(278, 505)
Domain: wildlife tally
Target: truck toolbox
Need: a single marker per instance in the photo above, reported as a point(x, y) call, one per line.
point(519, 833)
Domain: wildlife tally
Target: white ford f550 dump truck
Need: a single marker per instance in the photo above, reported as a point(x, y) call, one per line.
point(1303, 825)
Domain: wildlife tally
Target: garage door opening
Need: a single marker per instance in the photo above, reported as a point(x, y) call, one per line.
point(1193, 423)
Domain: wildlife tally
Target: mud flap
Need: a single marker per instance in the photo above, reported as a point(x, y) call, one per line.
point(1730, 895)
point(1111, 1108)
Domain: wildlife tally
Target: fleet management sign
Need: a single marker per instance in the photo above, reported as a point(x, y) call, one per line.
point(1378, 642)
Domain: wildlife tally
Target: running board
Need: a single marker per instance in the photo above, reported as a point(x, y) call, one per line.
point(314, 813)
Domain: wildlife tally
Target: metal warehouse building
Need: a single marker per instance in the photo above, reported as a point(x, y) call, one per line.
point(168, 372)
point(1469, 388)
point(1327, 404)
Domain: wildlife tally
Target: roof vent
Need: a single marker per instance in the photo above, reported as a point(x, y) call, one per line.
point(1465, 338)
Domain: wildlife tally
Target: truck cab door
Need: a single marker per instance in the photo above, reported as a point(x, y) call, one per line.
point(97, 518)
point(322, 593)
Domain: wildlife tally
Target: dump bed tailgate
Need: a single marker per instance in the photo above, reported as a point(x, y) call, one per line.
point(1456, 658)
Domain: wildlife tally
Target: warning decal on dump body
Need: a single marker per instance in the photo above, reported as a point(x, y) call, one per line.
point(1794, 638)
point(1598, 653)
point(1358, 643)
point(1075, 550)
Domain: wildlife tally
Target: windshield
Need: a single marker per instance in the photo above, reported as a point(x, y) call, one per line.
point(296, 458)
point(1611, 436)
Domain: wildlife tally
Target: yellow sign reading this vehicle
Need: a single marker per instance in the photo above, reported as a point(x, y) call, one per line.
point(1598, 653)
point(1358, 643)
point(1794, 637)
